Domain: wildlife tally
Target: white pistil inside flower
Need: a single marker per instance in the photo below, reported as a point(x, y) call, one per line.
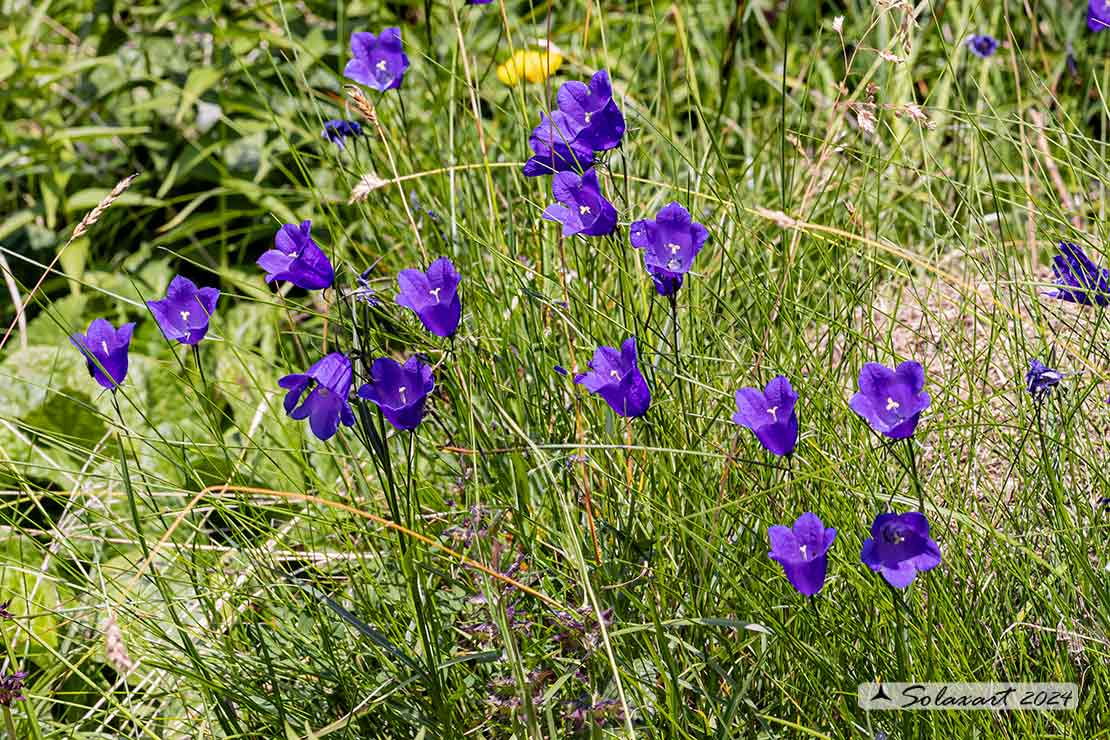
point(773, 411)
point(583, 210)
point(803, 549)
point(590, 114)
point(434, 293)
point(104, 346)
point(401, 393)
point(184, 315)
point(382, 66)
point(673, 247)
point(892, 405)
point(615, 374)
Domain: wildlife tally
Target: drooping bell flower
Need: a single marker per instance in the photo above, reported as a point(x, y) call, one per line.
point(1098, 15)
point(400, 391)
point(337, 130)
point(900, 548)
point(670, 244)
point(379, 61)
point(433, 296)
point(105, 349)
point(891, 401)
point(1041, 379)
point(326, 405)
point(803, 552)
point(184, 313)
point(592, 113)
point(582, 209)
point(555, 149)
point(770, 415)
point(616, 377)
point(297, 258)
point(1078, 278)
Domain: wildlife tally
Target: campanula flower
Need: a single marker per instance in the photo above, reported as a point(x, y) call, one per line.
point(670, 244)
point(184, 313)
point(900, 547)
point(582, 209)
point(555, 148)
point(11, 688)
point(982, 45)
point(593, 115)
point(433, 296)
point(400, 391)
point(297, 258)
point(365, 292)
point(1041, 379)
point(891, 401)
point(1098, 15)
point(336, 131)
point(616, 377)
point(478, 2)
point(803, 552)
point(770, 415)
point(105, 349)
point(379, 61)
point(1078, 278)
point(326, 404)
point(533, 66)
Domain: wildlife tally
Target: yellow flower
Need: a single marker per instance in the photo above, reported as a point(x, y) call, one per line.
point(531, 65)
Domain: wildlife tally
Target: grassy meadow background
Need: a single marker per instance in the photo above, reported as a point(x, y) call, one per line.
point(207, 568)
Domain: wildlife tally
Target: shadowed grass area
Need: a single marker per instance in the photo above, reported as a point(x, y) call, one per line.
point(184, 560)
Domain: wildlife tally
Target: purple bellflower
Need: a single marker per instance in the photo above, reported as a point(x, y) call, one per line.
point(478, 2)
point(297, 258)
point(1078, 278)
point(1041, 379)
point(891, 401)
point(900, 547)
point(555, 149)
point(582, 209)
point(592, 113)
point(616, 377)
point(184, 313)
point(433, 296)
point(11, 688)
point(336, 131)
point(1098, 15)
point(400, 391)
point(105, 349)
point(982, 45)
point(326, 404)
point(670, 244)
point(803, 552)
point(770, 415)
point(379, 61)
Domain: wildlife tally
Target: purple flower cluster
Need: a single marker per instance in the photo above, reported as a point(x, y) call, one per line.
point(1078, 278)
point(11, 688)
point(586, 121)
point(899, 548)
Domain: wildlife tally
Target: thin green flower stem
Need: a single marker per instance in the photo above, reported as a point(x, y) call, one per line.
point(9, 722)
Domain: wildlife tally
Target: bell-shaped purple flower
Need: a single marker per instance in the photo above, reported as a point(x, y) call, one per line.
point(900, 547)
point(555, 148)
point(1078, 278)
point(891, 401)
point(770, 415)
point(616, 377)
point(400, 391)
point(982, 45)
point(803, 552)
point(1098, 15)
point(105, 349)
point(1041, 379)
point(582, 209)
point(326, 404)
point(336, 131)
point(379, 61)
point(297, 258)
point(184, 313)
point(592, 113)
point(670, 244)
point(433, 296)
